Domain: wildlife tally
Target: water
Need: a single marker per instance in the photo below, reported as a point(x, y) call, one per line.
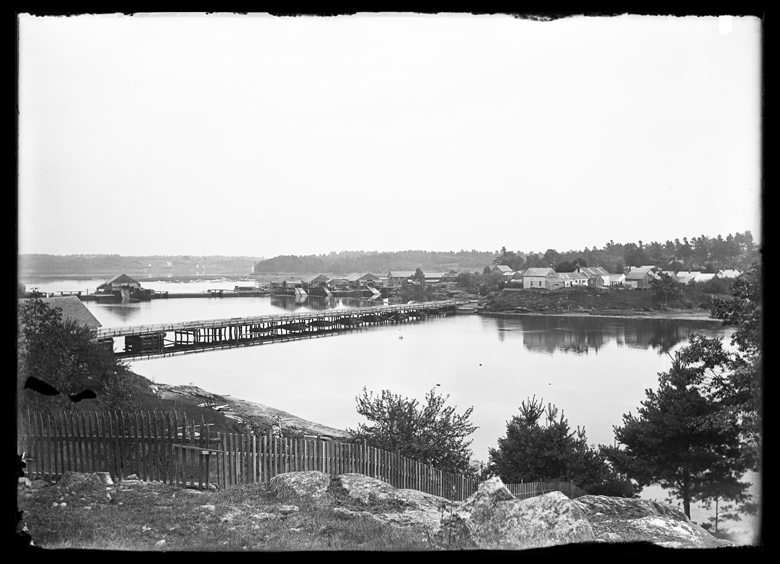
point(592, 369)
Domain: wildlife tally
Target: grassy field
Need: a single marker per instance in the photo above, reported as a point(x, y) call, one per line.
point(140, 516)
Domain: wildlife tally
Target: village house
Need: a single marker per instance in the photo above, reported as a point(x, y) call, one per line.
point(686, 277)
point(639, 277)
point(315, 281)
point(729, 273)
point(360, 281)
point(570, 279)
point(505, 270)
point(398, 278)
point(592, 272)
point(704, 277)
point(433, 277)
point(610, 280)
point(545, 278)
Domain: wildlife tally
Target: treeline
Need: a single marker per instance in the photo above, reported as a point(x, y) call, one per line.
point(42, 264)
point(376, 262)
point(702, 253)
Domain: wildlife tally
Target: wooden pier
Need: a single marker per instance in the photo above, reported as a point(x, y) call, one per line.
point(148, 341)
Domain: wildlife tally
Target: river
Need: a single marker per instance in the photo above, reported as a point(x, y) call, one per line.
point(593, 369)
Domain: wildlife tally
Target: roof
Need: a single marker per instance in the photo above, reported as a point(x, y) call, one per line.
point(121, 279)
point(705, 276)
point(539, 272)
point(435, 274)
point(72, 309)
point(639, 272)
point(312, 277)
point(729, 273)
point(401, 273)
point(573, 275)
point(503, 268)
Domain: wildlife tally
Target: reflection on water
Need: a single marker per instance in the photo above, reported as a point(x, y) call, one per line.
point(582, 334)
point(315, 303)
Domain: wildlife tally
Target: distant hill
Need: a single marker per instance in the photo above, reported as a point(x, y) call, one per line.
point(111, 265)
point(376, 262)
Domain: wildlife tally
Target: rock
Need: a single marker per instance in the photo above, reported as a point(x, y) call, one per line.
point(208, 507)
point(296, 485)
point(287, 509)
point(160, 542)
point(263, 516)
point(621, 520)
point(400, 507)
point(81, 481)
point(131, 477)
point(493, 522)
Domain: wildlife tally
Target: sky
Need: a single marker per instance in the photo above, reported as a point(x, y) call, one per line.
point(260, 136)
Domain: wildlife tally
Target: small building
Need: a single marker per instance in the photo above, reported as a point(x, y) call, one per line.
point(639, 277)
point(433, 277)
point(592, 272)
point(729, 273)
point(73, 309)
point(505, 270)
point(610, 280)
point(359, 281)
point(686, 277)
point(705, 277)
point(117, 283)
point(541, 278)
point(315, 281)
point(570, 279)
point(399, 278)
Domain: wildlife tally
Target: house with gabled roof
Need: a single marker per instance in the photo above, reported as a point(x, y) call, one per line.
point(592, 272)
point(398, 278)
point(727, 273)
point(545, 278)
point(575, 278)
point(639, 277)
point(117, 283)
point(686, 277)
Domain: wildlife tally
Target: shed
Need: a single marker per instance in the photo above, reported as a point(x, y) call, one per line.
point(639, 277)
point(117, 283)
point(541, 278)
point(73, 309)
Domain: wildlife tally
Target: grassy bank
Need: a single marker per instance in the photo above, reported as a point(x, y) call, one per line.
point(592, 301)
point(150, 516)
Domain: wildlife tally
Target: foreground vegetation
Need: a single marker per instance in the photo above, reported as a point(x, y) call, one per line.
point(156, 517)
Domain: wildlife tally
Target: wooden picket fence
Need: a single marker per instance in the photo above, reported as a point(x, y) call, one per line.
point(170, 448)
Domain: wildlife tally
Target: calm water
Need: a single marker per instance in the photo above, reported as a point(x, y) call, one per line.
point(593, 369)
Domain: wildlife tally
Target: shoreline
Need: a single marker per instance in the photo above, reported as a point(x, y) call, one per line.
point(696, 315)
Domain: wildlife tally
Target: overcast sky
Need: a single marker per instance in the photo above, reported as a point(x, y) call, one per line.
point(261, 136)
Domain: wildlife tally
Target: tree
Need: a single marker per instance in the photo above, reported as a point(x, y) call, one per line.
point(532, 452)
point(680, 439)
point(62, 353)
point(666, 288)
point(430, 433)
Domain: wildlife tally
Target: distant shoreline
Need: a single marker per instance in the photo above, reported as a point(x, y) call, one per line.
point(698, 315)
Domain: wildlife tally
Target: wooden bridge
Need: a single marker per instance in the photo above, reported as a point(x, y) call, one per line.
point(147, 341)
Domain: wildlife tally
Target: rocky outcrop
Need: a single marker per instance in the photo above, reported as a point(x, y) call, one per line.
point(616, 519)
point(493, 519)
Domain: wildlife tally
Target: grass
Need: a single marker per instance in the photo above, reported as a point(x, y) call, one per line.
point(241, 518)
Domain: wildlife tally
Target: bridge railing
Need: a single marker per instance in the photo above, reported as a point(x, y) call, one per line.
point(163, 327)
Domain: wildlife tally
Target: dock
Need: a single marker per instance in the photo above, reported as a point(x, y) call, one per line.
point(149, 341)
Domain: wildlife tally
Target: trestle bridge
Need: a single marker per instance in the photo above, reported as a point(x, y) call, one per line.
point(148, 341)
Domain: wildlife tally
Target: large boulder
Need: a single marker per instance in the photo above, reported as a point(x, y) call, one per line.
point(369, 497)
point(494, 519)
point(85, 482)
point(306, 485)
point(623, 520)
